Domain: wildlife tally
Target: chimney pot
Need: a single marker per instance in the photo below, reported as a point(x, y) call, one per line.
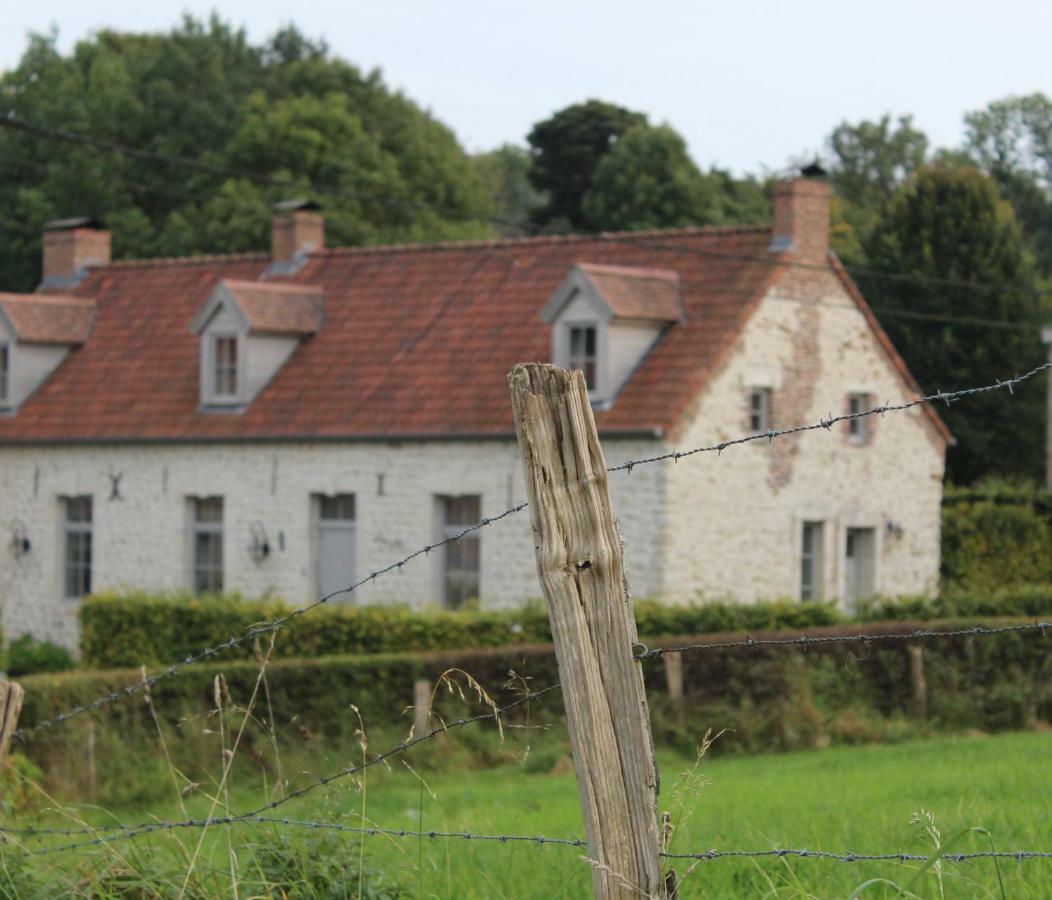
point(298, 228)
point(71, 246)
point(801, 217)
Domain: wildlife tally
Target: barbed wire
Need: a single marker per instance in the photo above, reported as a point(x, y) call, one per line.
point(707, 855)
point(543, 840)
point(265, 628)
point(946, 397)
point(256, 630)
point(805, 640)
point(119, 831)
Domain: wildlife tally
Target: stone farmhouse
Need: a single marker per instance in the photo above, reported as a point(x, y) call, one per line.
point(283, 424)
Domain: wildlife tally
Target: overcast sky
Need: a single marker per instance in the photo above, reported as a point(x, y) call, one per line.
point(749, 84)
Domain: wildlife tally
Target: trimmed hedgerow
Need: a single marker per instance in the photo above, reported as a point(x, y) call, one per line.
point(133, 628)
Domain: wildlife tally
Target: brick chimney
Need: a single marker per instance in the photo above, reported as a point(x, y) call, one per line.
point(298, 228)
point(801, 216)
point(71, 246)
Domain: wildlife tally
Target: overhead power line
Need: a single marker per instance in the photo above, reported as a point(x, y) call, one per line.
point(14, 122)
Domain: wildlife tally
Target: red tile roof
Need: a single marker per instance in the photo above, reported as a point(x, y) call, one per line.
point(632, 292)
point(48, 318)
point(417, 340)
point(277, 308)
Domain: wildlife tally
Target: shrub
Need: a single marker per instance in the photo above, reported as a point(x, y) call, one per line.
point(134, 628)
point(26, 656)
point(996, 535)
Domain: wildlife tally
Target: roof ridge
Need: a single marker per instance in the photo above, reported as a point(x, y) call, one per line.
point(425, 246)
point(277, 287)
point(52, 299)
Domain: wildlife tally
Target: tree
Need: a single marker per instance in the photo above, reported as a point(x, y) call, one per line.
point(263, 122)
point(565, 150)
point(869, 160)
point(1012, 140)
point(949, 223)
point(505, 173)
point(647, 180)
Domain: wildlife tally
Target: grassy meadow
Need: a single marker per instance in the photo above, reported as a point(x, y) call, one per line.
point(863, 799)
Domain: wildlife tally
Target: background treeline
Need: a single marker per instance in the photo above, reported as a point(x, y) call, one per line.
point(193, 134)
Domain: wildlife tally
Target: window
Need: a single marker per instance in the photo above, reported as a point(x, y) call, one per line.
point(858, 429)
point(760, 410)
point(76, 534)
point(5, 373)
point(860, 565)
point(224, 365)
point(206, 536)
point(335, 543)
point(811, 568)
point(583, 352)
point(460, 568)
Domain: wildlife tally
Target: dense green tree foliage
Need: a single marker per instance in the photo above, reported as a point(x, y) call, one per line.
point(949, 227)
point(1012, 140)
point(566, 149)
point(505, 172)
point(263, 122)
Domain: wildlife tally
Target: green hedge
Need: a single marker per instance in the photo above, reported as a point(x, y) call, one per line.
point(133, 628)
point(996, 535)
point(766, 698)
point(150, 629)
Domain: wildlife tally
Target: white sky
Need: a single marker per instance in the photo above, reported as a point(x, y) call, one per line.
point(749, 84)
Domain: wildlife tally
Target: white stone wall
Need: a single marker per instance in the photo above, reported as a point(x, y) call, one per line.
point(142, 539)
point(735, 519)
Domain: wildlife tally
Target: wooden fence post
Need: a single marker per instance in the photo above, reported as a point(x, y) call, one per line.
point(920, 683)
point(421, 706)
point(581, 569)
point(11, 695)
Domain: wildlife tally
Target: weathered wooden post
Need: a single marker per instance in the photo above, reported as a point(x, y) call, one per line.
point(581, 569)
point(11, 695)
point(421, 706)
point(919, 682)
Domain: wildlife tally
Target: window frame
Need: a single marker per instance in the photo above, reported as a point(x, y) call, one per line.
point(866, 566)
point(859, 430)
point(212, 573)
point(233, 370)
point(763, 414)
point(77, 532)
point(454, 595)
point(812, 590)
point(5, 373)
point(584, 361)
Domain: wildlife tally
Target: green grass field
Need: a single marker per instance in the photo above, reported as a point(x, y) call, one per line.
point(858, 799)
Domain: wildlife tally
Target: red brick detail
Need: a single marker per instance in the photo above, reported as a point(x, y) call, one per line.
point(801, 218)
point(68, 251)
point(295, 233)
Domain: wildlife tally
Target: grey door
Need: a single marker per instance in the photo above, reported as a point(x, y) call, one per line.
point(336, 545)
point(860, 565)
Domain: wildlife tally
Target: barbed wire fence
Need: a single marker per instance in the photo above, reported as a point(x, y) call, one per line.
point(104, 835)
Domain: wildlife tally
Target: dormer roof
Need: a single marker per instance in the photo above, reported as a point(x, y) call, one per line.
point(48, 318)
point(626, 292)
point(267, 308)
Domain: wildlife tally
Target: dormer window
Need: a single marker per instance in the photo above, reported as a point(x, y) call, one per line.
point(248, 331)
point(605, 319)
point(224, 366)
point(37, 332)
point(583, 353)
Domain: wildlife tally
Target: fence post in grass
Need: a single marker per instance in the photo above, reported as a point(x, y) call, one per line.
point(11, 695)
point(919, 682)
point(581, 569)
point(421, 706)
point(674, 676)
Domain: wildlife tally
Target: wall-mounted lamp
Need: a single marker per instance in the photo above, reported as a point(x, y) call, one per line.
point(19, 543)
point(259, 549)
point(895, 530)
